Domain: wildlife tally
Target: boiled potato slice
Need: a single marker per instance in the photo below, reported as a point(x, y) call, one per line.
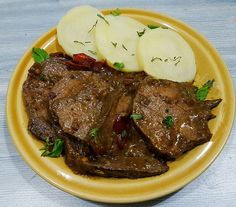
point(164, 54)
point(75, 31)
point(117, 40)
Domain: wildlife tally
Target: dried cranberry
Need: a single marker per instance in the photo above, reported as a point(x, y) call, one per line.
point(120, 124)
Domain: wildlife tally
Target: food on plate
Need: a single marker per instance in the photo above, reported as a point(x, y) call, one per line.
point(164, 54)
point(99, 118)
point(178, 118)
point(117, 40)
point(96, 106)
point(126, 44)
point(75, 31)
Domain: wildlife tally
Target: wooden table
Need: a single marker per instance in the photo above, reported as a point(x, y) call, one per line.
point(22, 22)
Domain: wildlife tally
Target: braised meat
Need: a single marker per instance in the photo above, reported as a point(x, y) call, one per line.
point(92, 109)
point(160, 100)
point(36, 93)
point(133, 161)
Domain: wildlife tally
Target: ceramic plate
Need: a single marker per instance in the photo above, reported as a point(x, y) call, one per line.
point(182, 171)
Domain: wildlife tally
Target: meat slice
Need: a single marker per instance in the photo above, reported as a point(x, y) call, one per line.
point(134, 161)
point(36, 93)
point(81, 103)
point(160, 100)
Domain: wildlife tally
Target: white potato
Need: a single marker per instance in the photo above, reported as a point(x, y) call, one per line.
point(117, 40)
point(164, 54)
point(75, 31)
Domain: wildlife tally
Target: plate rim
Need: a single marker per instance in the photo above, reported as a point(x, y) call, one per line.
point(106, 199)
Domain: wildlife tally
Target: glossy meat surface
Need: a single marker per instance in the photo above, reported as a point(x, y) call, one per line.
point(158, 99)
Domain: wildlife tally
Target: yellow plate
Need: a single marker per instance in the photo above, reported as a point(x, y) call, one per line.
point(182, 171)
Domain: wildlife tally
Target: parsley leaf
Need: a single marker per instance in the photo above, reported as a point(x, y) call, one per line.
point(92, 52)
point(39, 55)
point(94, 133)
point(93, 26)
point(42, 77)
point(116, 12)
point(124, 47)
point(114, 44)
point(168, 121)
point(202, 92)
point(150, 26)
point(76, 41)
point(56, 150)
point(119, 66)
point(103, 18)
point(136, 116)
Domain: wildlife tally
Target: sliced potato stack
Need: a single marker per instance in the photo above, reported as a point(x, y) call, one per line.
point(126, 44)
point(164, 54)
point(75, 31)
point(117, 39)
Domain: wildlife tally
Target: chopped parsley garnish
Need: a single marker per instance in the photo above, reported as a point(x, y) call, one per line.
point(168, 121)
point(150, 26)
point(176, 60)
point(92, 52)
point(202, 92)
point(42, 77)
point(52, 149)
point(124, 47)
point(141, 33)
point(79, 42)
point(155, 58)
point(114, 44)
point(93, 26)
point(103, 18)
point(87, 42)
point(177, 63)
point(116, 12)
point(136, 116)
point(39, 55)
point(119, 66)
point(94, 133)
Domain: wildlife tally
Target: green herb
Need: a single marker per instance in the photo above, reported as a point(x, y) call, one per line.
point(153, 26)
point(93, 26)
point(55, 151)
point(141, 33)
point(87, 42)
point(116, 12)
point(119, 66)
point(42, 77)
point(92, 52)
point(202, 92)
point(136, 116)
point(114, 44)
point(124, 134)
point(124, 47)
point(168, 121)
point(103, 18)
point(133, 54)
point(155, 58)
point(94, 133)
point(39, 55)
point(177, 63)
point(79, 42)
